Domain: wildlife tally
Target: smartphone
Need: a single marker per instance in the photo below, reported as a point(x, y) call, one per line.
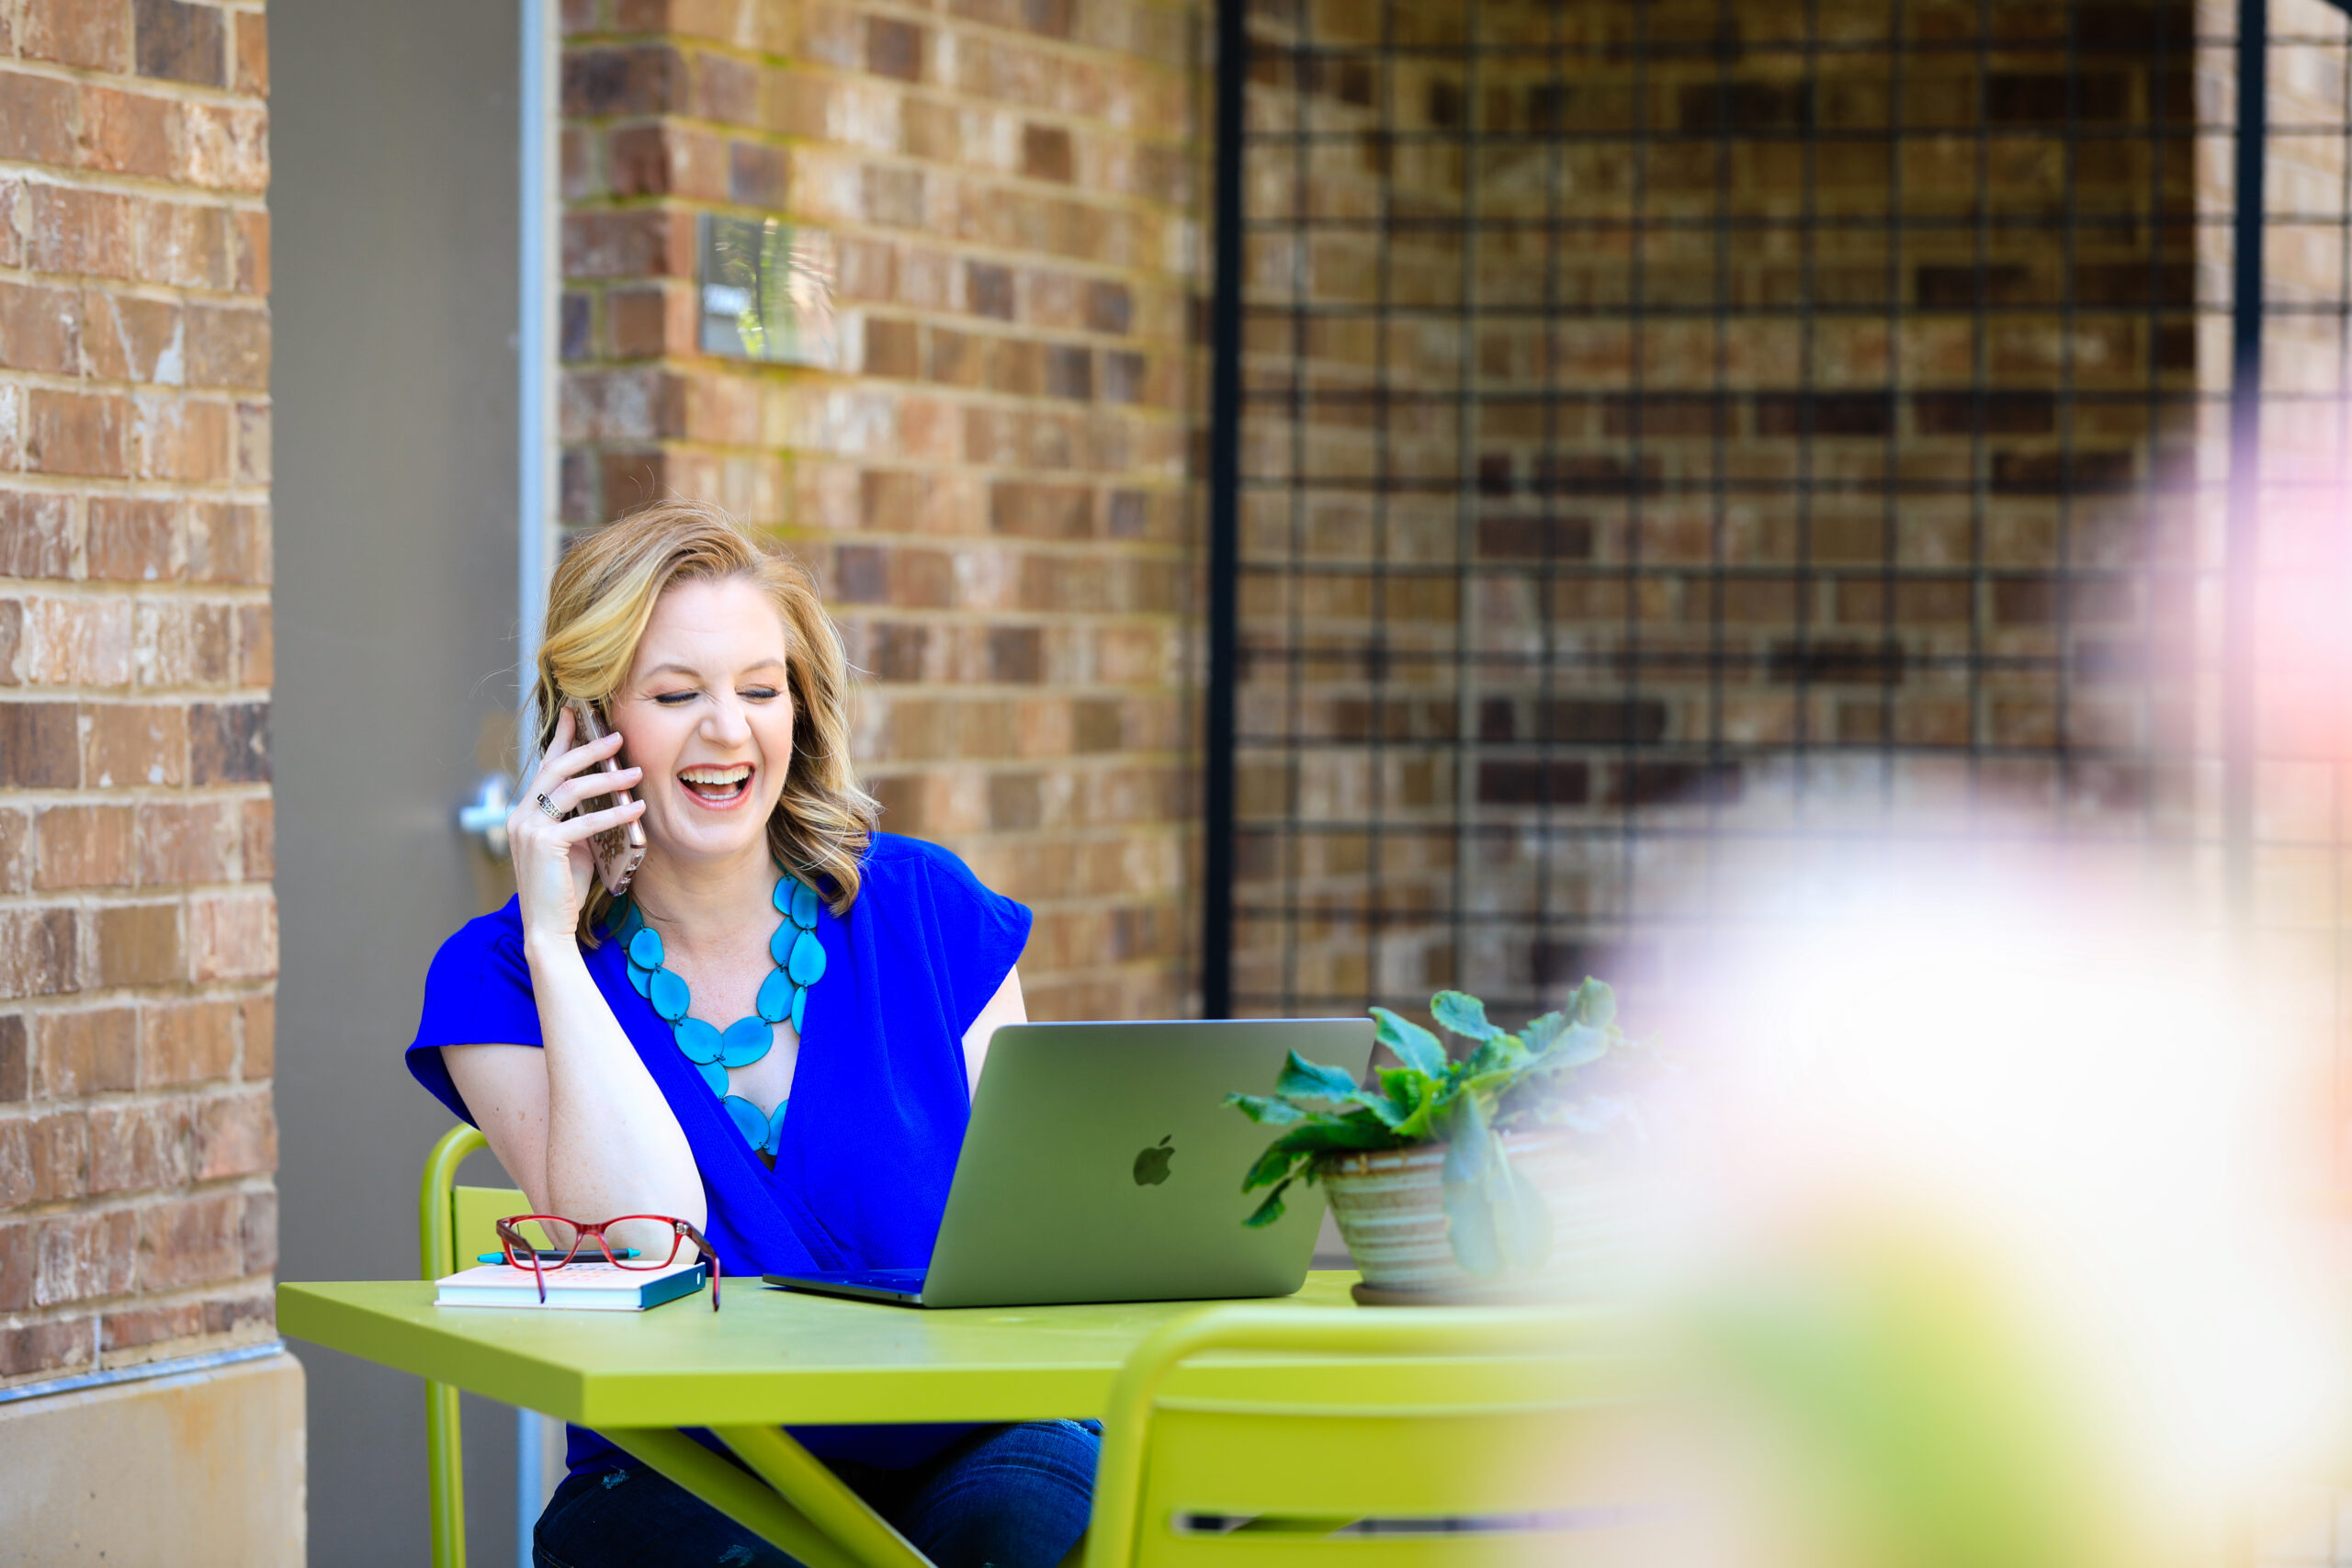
point(618, 850)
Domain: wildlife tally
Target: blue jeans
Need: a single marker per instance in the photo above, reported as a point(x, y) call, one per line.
point(1000, 1497)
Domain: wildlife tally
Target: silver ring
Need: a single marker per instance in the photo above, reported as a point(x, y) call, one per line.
point(548, 806)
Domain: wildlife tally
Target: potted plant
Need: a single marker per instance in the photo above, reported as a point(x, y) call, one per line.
point(1458, 1175)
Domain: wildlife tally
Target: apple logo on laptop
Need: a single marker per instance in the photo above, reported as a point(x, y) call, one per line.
point(1152, 1166)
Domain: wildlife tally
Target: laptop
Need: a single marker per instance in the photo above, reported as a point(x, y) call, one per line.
point(1102, 1164)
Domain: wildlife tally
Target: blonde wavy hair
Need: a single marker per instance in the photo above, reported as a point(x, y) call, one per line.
point(598, 605)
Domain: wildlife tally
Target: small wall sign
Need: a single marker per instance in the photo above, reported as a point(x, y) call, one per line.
point(767, 291)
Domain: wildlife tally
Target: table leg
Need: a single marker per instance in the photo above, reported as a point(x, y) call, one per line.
point(826, 1500)
point(745, 1499)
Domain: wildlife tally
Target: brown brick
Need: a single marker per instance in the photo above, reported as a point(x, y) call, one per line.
point(251, 270)
point(1045, 153)
point(36, 535)
point(54, 1344)
point(141, 1146)
point(228, 542)
point(83, 233)
point(77, 432)
point(757, 174)
point(82, 1256)
point(128, 133)
point(234, 936)
point(182, 244)
point(179, 643)
point(256, 646)
point(139, 944)
point(132, 540)
point(185, 1043)
point(181, 43)
point(229, 742)
point(236, 1134)
point(633, 245)
point(74, 642)
point(44, 1159)
point(186, 842)
point(41, 329)
point(228, 346)
point(129, 1328)
point(95, 1051)
point(182, 438)
point(135, 743)
point(17, 1255)
point(988, 289)
point(894, 49)
point(249, 1315)
point(127, 338)
point(1109, 307)
point(13, 206)
point(35, 119)
point(252, 46)
point(627, 81)
point(92, 33)
point(257, 1021)
point(38, 953)
point(191, 1241)
point(16, 1059)
point(16, 851)
point(84, 846)
point(257, 1233)
point(257, 841)
point(891, 347)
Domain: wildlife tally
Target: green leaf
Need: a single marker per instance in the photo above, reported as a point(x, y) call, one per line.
point(1415, 1126)
point(1356, 1130)
point(1267, 1212)
point(1470, 1228)
point(1499, 1054)
point(1414, 1047)
point(1539, 1031)
point(1273, 1166)
point(1522, 1220)
point(1594, 1003)
point(1469, 1147)
point(1310, 1080)
point(1464, 1015)
point(1265, 1108)
point(1576, 1046)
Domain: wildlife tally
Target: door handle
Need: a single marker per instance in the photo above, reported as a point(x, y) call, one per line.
point(485, 815)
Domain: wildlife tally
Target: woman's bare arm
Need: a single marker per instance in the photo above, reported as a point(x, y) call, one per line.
point(1005, 1006)
point(580, 1123)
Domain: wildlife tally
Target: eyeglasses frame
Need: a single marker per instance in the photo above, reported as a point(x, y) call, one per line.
point(680, 1230)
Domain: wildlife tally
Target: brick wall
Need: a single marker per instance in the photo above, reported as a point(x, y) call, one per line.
point(138, 934)
point(991, 481)
point(1643, 421)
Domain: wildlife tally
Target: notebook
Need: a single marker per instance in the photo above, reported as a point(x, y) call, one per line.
point(581, 1287)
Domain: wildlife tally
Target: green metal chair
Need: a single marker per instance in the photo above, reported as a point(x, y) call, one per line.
point(454, 1225)
point(1301, 1464)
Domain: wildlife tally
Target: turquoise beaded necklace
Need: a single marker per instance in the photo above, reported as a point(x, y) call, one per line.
point(784, 995)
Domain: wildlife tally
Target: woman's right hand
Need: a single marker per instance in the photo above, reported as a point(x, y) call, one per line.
point(552, 858)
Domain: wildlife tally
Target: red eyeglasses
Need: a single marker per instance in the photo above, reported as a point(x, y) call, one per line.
point(521, 1254)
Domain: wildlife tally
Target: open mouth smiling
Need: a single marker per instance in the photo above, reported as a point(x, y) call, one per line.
point(717, 787)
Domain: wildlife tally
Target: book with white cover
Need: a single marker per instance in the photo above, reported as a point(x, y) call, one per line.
point(589, 1287)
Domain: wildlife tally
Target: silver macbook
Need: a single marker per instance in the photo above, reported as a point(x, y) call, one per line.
point(1102, 1165)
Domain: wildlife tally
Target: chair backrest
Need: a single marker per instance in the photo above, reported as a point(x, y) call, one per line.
point(1395, 1437)
point(454, 1225)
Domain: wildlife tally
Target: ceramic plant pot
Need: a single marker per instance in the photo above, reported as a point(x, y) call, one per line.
point(1390, 1208)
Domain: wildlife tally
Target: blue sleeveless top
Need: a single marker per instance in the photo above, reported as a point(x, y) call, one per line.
point(879, 1100)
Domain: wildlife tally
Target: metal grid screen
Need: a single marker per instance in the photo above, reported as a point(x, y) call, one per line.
point(1667, 425)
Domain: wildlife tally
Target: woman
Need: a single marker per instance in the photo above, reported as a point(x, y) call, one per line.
point(785, 1062)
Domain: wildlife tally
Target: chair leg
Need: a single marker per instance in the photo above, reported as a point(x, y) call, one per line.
point(444, 1475)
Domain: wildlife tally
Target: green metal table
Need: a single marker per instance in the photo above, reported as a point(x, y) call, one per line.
point(774, 1358)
